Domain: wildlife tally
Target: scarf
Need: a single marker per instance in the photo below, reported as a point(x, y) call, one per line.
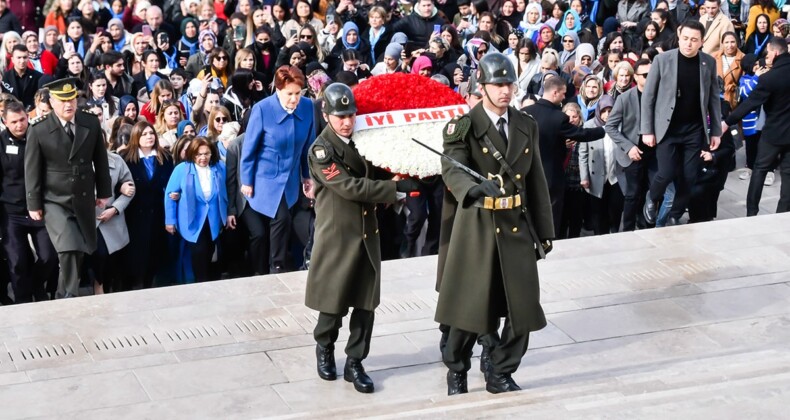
point(350, 26)
point(530, 28)
point(568, 55)
point(471, 48)
point(189, 42)
point(172, 59)
point(577, 23)
point(79, 46)
point(182, 126)
point(375, 38)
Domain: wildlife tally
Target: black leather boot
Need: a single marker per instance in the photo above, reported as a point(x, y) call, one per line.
point(485, 360)
point(354, 372)
point(456, 383)
point(500, 382)
point(325, 358)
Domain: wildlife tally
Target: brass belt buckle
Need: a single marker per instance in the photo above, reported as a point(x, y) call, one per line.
point(505, 203)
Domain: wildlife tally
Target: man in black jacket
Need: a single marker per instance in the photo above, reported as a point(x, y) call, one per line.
point(419, 25)
point(554, 127)
point(8, 20)
point(21, 81)
point(772, 91)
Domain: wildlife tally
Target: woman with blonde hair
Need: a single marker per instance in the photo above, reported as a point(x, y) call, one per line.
point(61, 9)
point(163, 91)
point(167, 119)
point(217, 119)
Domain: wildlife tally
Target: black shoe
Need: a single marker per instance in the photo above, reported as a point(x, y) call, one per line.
point(673, 221)
point(500, 382)
point(650, 211)
point(354, 372)
point(456, 383)
point(325, 358)
point(485, 359)
point(6, 301)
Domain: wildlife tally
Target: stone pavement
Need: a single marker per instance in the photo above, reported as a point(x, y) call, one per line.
point(689, 321)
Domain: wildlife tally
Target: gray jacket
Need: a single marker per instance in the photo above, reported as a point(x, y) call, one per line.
point(592, 164)
point(114, 231)
point(236, 200)
point(623, 124)
point(658, 99)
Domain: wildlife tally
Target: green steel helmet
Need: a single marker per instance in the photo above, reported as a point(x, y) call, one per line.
point(339, 100)
point(496, 68)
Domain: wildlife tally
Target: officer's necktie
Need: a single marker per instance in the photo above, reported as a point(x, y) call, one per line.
point(502, 132)
point(70, 130)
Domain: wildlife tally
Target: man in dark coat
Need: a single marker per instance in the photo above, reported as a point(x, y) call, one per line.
point(8, 20)
point(554, 128)
point(771, 93)
point(345, 269)
point(419, 25)
point(66, 177)
point(490, 270)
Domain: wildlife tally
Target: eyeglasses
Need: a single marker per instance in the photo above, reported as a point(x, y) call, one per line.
point(221, 58)
point(220, 120)
point(481, 52)
point(308, 36)
point(567, 41)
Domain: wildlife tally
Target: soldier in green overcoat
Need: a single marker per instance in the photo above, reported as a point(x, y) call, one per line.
point(66, 177)
point(345, 269)
point(502, 226)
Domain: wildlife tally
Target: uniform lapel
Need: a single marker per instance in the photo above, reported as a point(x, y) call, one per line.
point(483, 126)
point(348, 154)
point(80, 134)
point(517, 137)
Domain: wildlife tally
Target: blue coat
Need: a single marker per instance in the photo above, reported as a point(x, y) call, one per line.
point(274, 154)
point(189, 213)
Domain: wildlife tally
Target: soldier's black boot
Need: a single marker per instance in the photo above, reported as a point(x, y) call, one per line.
point(500, 382)
point(456, 383)
point(485, 361)
point(325, 358)
point(354, 372)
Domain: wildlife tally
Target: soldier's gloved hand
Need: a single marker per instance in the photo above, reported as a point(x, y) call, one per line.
point(547, 245)
point(407, 185)
point(489, 188)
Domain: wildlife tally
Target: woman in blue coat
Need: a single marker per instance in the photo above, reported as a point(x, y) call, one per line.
point(274, 165)
point(196, 203)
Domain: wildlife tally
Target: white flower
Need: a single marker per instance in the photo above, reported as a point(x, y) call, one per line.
point(391, 148)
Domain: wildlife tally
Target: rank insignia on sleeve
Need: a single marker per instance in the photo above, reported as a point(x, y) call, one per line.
point(331, 171)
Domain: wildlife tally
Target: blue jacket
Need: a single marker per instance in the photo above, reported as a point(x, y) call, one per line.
point(274, 155)
point(189, 213)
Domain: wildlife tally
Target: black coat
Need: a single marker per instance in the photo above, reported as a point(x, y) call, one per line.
point(9, 22)
point(772, 91)
point(377, 52)
point(145, 218)
point(554, 127)
point(26, 94)
point(335, 59)
point(417, 28)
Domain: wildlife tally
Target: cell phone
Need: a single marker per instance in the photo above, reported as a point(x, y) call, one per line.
point(330, 19)
point(207, 70)
point(437, 28)
point(147, 30)
point(239, 32)
point(293, 33)
point(99, 30)
point(267, 9)
point(68, 47)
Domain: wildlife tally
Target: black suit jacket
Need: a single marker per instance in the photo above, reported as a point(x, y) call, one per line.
point(25, 95)
point(554, 127)
point(772, 91)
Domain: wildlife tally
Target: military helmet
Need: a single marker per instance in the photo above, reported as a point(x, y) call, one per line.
point(339, 100)
point(496, 68)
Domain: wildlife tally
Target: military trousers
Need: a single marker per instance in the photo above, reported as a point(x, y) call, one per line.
point(69, 277)
point(360, 326)
point(506, 353)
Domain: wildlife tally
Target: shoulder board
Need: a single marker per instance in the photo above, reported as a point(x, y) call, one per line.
point(321, 151)
point(528, 115)
point(38, 119)
point(457, 128)
point(88, 112)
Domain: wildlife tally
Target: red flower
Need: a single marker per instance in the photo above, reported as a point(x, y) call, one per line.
point(399, 91)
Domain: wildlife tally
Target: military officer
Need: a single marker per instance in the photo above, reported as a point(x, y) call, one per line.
point(346, 261)
point(490, 271)
point(66, 177)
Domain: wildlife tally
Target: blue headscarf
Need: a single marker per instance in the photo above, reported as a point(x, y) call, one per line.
point(182, 126)
point(577, 23)
point(351, 26)
point(125, 101)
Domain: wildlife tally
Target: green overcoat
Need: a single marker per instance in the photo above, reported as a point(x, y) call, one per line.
point(63, 178)
point(345, 269)
point(491, 264)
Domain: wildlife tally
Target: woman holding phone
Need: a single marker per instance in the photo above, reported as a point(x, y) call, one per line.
point(219, 67)
point(75, 39)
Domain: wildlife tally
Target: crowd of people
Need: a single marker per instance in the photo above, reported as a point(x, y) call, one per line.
point(208, 108)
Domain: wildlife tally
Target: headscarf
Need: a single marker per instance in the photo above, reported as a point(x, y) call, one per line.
point(192, 43)
point(543, 79)
point(582, 50)
point(783, 25)
point(399, 38)
point(393, 50)
point(422, 62)
point(530, 28)
point(606, 101)
point(125, 101)
point(182, 126)
point(117, 45)
point(204, 33)
point(471, 48)
point(566, 55)
point(577, 23)
point(536, 37)
point(351, 26)
point(449, 72)
point(118, 15)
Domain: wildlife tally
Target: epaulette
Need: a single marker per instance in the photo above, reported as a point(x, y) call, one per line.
point(457, 128)
point(526, 114)
point(89, 112)
point(38, 119)
point(321, 151)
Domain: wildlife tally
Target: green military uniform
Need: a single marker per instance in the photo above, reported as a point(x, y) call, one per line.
point(490, 270)
point(63, 178)
point(345, 271)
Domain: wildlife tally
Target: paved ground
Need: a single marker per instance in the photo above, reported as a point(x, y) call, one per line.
point(689, 321)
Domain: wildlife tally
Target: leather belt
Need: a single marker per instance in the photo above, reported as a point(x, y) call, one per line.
point(499, 203)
